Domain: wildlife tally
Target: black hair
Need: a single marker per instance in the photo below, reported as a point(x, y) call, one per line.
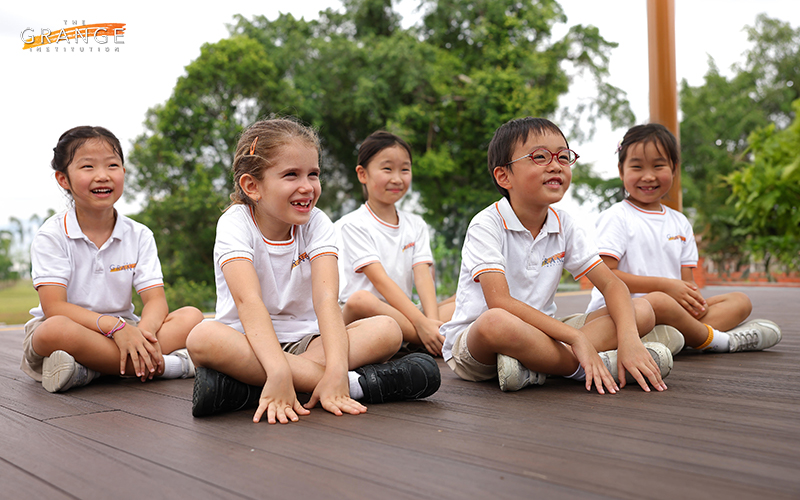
point(651, 133)
point(511, 134)
point(374, 144)
point(72, 139)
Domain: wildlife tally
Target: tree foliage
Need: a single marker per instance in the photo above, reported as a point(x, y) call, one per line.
point(444, 85)
point(766, 192)
point(718, 118)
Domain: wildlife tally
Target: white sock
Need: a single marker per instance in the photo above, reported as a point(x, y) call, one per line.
point(173, 368)
point(578, 375)
point(720, 342)
point(356, 392)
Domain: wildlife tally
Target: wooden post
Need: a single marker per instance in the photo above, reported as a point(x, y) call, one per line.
point(664, 79)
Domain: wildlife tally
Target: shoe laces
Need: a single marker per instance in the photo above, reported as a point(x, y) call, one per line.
point(745, 340)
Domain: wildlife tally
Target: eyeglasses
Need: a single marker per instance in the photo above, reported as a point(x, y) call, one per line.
point(543, 156)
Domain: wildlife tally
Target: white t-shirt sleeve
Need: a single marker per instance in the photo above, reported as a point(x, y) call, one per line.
point(483, 250)
point(581, 255)
point(689, 255)
point(321, 239)
point(233, 241)
point(360, 245)
point(612, 239)
point(422, 247)
point(148, 267)
point(50, 260)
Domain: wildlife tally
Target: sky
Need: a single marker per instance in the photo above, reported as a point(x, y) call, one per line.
point(44, 94)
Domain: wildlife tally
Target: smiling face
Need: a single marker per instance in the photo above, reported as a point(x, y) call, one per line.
point(647, 175)
point(529, 184)
point(387, 176)
point(95, 177)
point(288, 191)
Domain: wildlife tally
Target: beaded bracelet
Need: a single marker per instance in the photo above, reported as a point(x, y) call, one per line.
point(119, 325)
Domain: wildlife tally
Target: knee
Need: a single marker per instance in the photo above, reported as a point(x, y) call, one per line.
point(645, 315)
point(388, 331)
point(189, 315)
point(359, 305)
point(198, 343)
point(52, 335)
point(743, 303)
point(493, 328)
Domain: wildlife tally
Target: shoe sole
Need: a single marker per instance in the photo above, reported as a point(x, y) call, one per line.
point(57, 370)
point(508, 370)
point(667, 335)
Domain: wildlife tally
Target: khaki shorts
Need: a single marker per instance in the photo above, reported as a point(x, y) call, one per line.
point(298, 346)
point(32, 362)
point(468, 368)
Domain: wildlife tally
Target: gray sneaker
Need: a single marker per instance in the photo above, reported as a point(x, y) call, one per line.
point(660, 353)
point(513, 376)
point(60, 372)
point(754, 335)
point(186, 362)
point(667, 335)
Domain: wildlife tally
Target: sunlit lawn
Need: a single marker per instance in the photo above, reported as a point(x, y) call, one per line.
point(16, 301)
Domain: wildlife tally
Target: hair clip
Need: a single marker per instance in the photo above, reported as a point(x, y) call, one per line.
point(619, 147)
point(253, 146)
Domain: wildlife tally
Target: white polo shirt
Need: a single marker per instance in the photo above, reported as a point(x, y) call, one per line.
point(645, 243)
point(97, 279)
point(496, 241)
point(366, 239)
point(283, 269)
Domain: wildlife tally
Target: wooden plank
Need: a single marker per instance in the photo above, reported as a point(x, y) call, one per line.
point(17, 483)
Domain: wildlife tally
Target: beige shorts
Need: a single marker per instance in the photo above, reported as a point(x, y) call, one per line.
point(299, 346)
point(32, 362)
point(468, 368)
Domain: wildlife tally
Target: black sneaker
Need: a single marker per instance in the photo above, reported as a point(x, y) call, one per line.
point(411, 377)
point(215, 392)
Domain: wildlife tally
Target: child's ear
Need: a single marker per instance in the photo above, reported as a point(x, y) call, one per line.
point(361, 172)
point(62, 180)
point(501, 176)
point(249, 185)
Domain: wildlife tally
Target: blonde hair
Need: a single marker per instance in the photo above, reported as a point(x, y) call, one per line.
point(258, 149)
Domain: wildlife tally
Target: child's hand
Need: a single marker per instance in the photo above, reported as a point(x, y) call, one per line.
point(279, 400)
point(687, 295)
point(132, 342)
point(594, 367)
point(428, 332)
point(333, 392)
point(633, 358)
point(158, 357)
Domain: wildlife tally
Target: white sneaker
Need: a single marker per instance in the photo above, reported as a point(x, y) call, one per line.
point(186, 362)
point(660, 353)
point(754, 335)
point(667, 335)
point(60, 372)
point(513, 376)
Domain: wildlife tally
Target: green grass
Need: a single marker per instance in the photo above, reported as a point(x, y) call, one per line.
point(15, 302)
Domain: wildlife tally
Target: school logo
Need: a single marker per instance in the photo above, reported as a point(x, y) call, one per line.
point(74, 36)
point(410, 245)
point(555, 260)
point(123, 267)
point(676, 237)
point(303, 256)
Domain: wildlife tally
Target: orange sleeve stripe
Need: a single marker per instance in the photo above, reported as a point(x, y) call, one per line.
point(324, 253)
point(365, 264)
point(689, 265)
point(488, 270)
point(429, 262)
point(235, 258)
point(595, 264)
point(609, 254)
point(48, 283)
point(149, 287)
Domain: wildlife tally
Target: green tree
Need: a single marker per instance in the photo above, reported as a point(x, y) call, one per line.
point(718, 117)
point(445, 86)
point(765, 195)
point(7, 272)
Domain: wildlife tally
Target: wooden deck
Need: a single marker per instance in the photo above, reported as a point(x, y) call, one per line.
point(728, 427)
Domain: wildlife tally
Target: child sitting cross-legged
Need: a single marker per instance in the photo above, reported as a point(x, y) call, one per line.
point(512, 259)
